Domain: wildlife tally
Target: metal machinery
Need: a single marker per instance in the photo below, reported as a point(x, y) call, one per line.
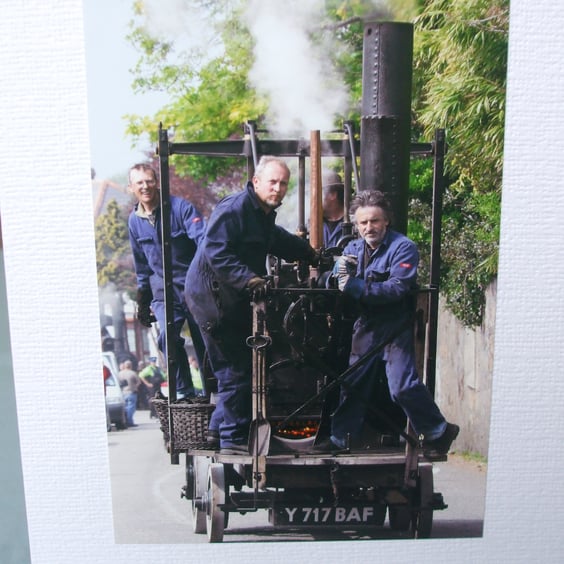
point(301, 337)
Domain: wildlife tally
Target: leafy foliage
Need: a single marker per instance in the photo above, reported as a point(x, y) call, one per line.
point(420, 212)
point(212, 98)
point(469, 253)
point(113, 254)
point(202, 196)
point(459, 75)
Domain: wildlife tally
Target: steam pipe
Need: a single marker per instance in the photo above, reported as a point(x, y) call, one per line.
point(302, 229)
point(350, 136)
point(253, 139)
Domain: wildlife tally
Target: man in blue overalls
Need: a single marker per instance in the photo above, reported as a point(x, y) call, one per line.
point(186, 230)
point(378, 272)
point(229, 264)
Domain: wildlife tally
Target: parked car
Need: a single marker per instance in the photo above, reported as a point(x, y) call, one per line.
point(115, 404)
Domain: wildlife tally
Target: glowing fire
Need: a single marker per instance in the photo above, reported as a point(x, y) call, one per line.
point(298, 429)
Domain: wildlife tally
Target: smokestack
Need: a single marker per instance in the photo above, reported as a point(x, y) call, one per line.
point(385, 127)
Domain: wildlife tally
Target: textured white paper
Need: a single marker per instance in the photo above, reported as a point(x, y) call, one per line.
point(53, 308)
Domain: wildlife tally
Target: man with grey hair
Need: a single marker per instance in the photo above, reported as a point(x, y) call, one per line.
point(230, 263)
point(378, 272)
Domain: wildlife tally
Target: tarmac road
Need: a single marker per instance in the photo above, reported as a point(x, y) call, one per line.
point(148, 507)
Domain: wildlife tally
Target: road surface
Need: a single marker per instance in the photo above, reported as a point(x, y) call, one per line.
point(148, 507)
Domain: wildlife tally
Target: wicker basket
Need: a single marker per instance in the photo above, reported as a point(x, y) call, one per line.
point(161, 408)
point(190, 421)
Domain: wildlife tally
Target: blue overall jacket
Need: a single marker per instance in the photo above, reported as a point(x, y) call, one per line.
point(186, 230)
point(384, 286)
point(331, 238)
point(239, 236)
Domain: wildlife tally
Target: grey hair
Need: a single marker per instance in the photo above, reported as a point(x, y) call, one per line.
point(145, 168)
point(266, 160)
point(372, 198)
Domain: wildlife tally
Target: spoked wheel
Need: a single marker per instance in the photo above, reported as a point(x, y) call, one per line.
point(423, 519)
point(199, 493)
point(215, 517)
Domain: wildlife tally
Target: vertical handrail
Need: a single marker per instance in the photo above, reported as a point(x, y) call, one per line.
point(435, 259)
point(315, 192)
point(171, 360)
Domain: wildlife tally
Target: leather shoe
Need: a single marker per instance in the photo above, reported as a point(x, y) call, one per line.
point(212, 438)
point(438, 448)
point(327, 446)
point(235, 449)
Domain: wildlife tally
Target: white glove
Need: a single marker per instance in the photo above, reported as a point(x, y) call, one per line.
point(342, 280)
point(345, 267)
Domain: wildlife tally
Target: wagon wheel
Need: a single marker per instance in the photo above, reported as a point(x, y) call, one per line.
point(199, 484)
point(215, 517)
point(189, 488)
point(423, 519)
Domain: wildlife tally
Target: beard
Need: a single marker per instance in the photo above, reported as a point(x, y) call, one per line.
point(272, 203)
point(374, 239)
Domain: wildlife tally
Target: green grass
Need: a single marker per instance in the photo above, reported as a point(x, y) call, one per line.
point(473, 457)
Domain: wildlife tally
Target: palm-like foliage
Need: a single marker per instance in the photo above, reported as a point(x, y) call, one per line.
point(460, 77)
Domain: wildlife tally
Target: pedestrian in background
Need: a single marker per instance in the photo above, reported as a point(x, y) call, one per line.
point(129, 377)
point(196, 376)
point(153, 378)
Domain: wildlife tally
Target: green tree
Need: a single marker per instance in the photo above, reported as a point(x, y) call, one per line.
point(211, 98)
point(459, 83)
point(113, 253)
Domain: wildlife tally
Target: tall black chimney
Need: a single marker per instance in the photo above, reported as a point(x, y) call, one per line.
point(385, 127)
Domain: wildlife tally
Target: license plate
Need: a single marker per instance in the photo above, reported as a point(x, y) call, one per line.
point(329, 515)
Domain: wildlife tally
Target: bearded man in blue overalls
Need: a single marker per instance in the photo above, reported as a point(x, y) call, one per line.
point(378, 272)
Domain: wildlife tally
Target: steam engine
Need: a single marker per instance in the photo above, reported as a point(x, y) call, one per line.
point(302, 330)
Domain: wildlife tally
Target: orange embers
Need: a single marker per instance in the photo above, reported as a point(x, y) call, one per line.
point(298, 429)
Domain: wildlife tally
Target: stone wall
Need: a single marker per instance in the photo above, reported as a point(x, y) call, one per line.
point(464, 375)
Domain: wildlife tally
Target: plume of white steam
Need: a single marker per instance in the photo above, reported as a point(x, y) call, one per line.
point(290, 68)
point(305, 91)
point(189, 24)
